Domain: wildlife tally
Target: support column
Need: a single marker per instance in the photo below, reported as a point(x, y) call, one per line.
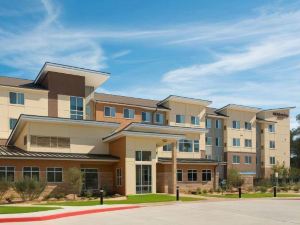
point(216, 178)
point(172, 190)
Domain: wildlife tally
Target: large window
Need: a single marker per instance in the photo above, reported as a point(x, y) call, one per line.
point(54, 175)
point(272, 160)
point(76, 108)
point(7, 173)
point(167, 147)
point(16, 98)
point(179, 176)
point(143, 155)
point(208, 141)
point(49, 142)
point(248, 143)
point(30, 172)
point(271, 128)
point(236, 142)
point(248, 159)
point(118, 177)
point(192, 175)
point(195, 120)
point(206, 175)
point(248, 126)
point(185, 145)
point(179, 118)
point(90, 179)
point(128, 113)
point(272, 144)
point(159, 118)
point(208, 123)
point(218, 124)
point(109, 111)
point(236, 159)
point(12, 123)
point(146, 117)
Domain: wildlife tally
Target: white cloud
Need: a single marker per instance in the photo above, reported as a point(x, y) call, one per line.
point(120, 54)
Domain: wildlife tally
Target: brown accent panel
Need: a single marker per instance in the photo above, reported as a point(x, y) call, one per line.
point(241, 167)
point(52, 104)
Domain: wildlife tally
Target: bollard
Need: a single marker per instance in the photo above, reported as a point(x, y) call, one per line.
point(177, 193)
point(275, 191)
point(101, 196)
point(240, 192)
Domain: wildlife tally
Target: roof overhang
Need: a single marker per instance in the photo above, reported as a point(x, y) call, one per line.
point(93, 78)
point(279, 109)
point(216, 116)
point(189, 161)
point(181, 99)
point(240, 108)
point(23, 119)
point(259, 120)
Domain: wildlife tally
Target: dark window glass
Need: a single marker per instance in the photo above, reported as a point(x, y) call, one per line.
point(12, 123)
point(192, 175)
point(179, 175)
point(206, 175)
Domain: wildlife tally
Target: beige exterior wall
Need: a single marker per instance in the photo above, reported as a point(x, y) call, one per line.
point(35, 103)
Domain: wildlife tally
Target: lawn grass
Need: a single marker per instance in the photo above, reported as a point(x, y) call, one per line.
point(24, 209)
point(131, 199)
point(253, 195)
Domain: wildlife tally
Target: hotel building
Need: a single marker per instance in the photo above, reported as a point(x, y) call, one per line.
point(130, 145)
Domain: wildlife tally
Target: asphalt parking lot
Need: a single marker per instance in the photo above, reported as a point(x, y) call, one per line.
point(258, 211)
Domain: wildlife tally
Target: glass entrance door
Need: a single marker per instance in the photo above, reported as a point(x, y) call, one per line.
point(90, 179)
point(143, 179)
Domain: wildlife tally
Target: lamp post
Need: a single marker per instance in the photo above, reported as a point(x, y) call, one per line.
point(276, 176)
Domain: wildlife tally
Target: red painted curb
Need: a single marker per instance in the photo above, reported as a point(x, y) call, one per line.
point(62, 215)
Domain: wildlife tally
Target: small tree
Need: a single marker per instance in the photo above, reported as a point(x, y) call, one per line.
point(4, 187)
point(234, 179)
point(74, 180)
point(283, 172)
point(29, 189)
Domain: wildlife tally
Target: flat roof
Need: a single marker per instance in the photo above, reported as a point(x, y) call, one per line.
point(186, 100)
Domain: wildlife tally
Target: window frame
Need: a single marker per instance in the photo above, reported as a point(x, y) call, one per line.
point(181, 119)
point(76, 113)
point(193, 173)
point(18, 94)
point(168, 148)
point(146, 113)
point(129, 110)
point(236, 161)
point(248, 125)
point(206, 172)
point(218, 124)
point(206, 141)
point(248, 159)
point(31, 171)
point(119, 177)
point(273, 130)
point(248, 141)
point(179, 171)
point(271, 160)
point(110, 111)
point(54, 174)
point(218, 142)
point(195, 120)
point(196, 143)
point(161, 116)
point(235, 139)
point(235, 123)
point(182, 142)
point(272, 144)
point(208, 124)
point(10, 120)
point(6, 171)
point(141, 156)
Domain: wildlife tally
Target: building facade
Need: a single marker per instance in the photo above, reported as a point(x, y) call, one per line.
point(130, 145)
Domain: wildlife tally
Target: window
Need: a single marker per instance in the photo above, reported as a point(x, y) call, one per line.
point(16, 98)
point(146, 117)
point(206, 175)
point(7, 173)
point(272, 144)
point(236, 159)
point(218, 141)
point(185, 145)
point(128, 113)
point(167, 148)
point(12, 123)
point(179, 118)
point(76, 108)
point(49, 142)
point(248, 159)
point(54, 175)
point(109, 111)
point(218, 124)
point(208, 140)
point(159, 118)
point(272, 160)
point(236, 142)
point(195, 120)
point(271, 128)
point(192, 175)
point(31, 173)
point(179, 176)
point(143, 156)
point(118, 177)
point(248, 143)
point(236, 124)
point(208, 123)
point(25, 140)
point(248, 126)
point(196, 146)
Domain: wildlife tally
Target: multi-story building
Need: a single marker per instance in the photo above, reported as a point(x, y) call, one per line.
point(130, 145)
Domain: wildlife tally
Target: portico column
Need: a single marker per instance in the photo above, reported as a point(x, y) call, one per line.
point(174, 169)
point(216, 178)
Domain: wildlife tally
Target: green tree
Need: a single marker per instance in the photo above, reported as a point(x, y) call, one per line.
point(74, 180)
point(4, 187)
point(234, 179)
point(295, 145)
point(29, 189)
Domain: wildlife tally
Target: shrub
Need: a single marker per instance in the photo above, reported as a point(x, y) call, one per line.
point(296, 187)
point(263, 189)
point(211, 190)
point(285, 188)
point(234, 179)
point(29, 189)
point(204, 191)
point(250, 189)
point(218, 190)
point(198, 191)
point(4, 187)
point(74, 180)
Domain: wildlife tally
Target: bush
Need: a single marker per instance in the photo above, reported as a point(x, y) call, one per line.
point(211, 190)
point(4, 187)
point(234, 179)
point(219, 190)
point(285, 188)
point(74, 180)
point(296, 188)
point(29, 189)
point(263, 189)
point(55, 195)
point(204, 191)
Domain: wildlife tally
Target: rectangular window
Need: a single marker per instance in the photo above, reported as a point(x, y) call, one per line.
point(185, 145)
point(16, 98)
point(208, 123)
point(218, 124)
point(218, 141)
point(195, 120)
point(272, 144)
point(118, 177)
point(7, 173)
point(236, 159)
point(271, 128)
point(206, 175)
point(272, 160)
point(143, 155)
point(236, 124)
point(159, 118)
point(12, 123)
point(167, 148)
point(248, 126)
point(49, 142)
point(236, 142)
point(180, 118)
point(248, 159)
point(31, 173)
point(208, 140)
point(54, 175)
point(196, 146)
point(109, 111)
point(146, 117)
point(248, 143)
point(128, 113)
point(179, 176)
point(192, 175)
point(76, 108)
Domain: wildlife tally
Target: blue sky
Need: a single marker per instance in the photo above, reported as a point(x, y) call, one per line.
point(242, 52)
